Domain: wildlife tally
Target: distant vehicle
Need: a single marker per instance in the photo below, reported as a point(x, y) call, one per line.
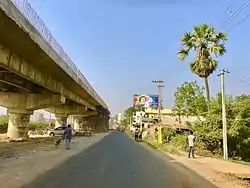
point(58, 131)
point(120, 129)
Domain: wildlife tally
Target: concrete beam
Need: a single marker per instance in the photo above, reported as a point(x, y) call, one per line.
point(66, 110)
point(47, 43)
point(15, 81)
point(17, 65)
point(29, 101)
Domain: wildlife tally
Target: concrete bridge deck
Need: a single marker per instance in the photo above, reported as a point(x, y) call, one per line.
point(36, 73)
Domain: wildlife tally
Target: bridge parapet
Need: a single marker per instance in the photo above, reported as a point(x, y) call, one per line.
point(64, 62)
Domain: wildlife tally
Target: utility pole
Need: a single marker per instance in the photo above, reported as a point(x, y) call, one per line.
point(160, 84)
point(224, 115)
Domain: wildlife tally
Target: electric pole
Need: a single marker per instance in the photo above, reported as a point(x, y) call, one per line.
point(224, 115)
point(160, 84)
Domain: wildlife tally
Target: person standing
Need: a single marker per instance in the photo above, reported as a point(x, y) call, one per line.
point(191, 140)
point(136, 134)
point(68, 136)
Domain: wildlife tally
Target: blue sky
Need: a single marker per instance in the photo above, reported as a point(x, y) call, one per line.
point(121, 45)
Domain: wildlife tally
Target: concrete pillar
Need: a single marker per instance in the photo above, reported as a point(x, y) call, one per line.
point(106, 123)
point(79, 122)
point(91, 122)
point(98, 123)
point(61, 120)
point(18, 124)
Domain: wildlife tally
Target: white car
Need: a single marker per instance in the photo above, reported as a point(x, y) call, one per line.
point(58, 131)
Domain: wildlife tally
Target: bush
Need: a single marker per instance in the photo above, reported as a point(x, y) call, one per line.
point(208, 134)
point(179, 141)
point(177, 144)
point(38, 125)
point(167, 133)
point(3, 124)
point(32, 125)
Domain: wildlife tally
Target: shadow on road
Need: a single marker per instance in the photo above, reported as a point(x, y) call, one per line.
point(118, 161)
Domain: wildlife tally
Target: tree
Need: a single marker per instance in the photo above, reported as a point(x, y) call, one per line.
point(128, 114)
point(207, 44)
point(209, 131)
point(4, 123)
point(189, 100)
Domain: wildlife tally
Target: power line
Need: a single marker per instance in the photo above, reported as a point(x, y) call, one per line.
point(235, 14)
point(239, 23)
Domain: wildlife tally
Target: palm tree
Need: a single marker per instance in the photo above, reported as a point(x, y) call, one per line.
point(207, 44)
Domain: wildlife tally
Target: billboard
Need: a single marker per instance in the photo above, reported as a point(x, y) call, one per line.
point(145, 101)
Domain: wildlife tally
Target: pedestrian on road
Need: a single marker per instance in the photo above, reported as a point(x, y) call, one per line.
point(136, 134)
point(191, 139)
point(68, 136)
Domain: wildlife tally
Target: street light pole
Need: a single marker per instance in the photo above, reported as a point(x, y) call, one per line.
point(160, 84)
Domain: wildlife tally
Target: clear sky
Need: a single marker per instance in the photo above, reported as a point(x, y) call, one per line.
point(121, 45)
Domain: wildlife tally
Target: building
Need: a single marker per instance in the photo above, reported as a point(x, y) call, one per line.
point(169, 118)
point(37, 116)
point(153, 113)
point(119, 118)
point(137, 117)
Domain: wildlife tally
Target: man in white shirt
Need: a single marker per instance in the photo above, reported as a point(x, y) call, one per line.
point(191, 139)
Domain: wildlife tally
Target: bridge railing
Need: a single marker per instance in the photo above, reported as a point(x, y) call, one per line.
point(90, 89)
point(30, 14)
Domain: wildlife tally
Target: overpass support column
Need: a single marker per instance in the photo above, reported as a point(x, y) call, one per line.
point(104, 123)
point(79, 122)
point(98, 123)
point(91, 123)
point(61, 120)
point(18, 123)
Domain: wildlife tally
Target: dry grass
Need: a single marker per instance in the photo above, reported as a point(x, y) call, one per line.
point(13, 148)
point(240, 180)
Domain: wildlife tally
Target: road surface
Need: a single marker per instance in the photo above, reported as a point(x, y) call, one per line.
point(119, 162)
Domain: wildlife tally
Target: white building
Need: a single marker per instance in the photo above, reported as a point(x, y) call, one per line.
point(137, 117)
point(119, 118)
point(37, 116)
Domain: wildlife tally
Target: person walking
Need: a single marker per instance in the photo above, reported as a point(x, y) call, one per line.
point(68, 136)
point(191, 140)
point(136, 134)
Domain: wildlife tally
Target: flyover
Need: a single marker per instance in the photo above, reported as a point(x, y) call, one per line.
point(36, 73)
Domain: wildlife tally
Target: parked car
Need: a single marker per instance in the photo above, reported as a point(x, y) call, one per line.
point(58, 131)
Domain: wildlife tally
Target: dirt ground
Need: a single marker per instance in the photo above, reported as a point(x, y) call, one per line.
point(14, 148)
point(224, 174)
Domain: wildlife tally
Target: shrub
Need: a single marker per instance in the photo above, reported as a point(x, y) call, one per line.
point(32, 125)
point(38, 125)
point(167, 133)
point(3, 124)
point(179, 141)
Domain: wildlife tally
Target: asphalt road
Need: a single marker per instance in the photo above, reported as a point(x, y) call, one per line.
point(119, 162)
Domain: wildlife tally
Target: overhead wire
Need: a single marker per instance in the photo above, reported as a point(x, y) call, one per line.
point(227, 28)
point(233, 16)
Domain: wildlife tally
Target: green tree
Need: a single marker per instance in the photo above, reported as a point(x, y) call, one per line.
point(128, 114)
point(207, 44)
point(209, 131)
point(3, 123)
point(189, 100)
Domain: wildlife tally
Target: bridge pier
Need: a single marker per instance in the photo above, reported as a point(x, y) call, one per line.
point(79, 122)
point(21, 105)
point(18, 123)
point(98, 123)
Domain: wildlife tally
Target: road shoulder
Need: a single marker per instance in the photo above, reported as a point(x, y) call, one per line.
point(216, 171)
